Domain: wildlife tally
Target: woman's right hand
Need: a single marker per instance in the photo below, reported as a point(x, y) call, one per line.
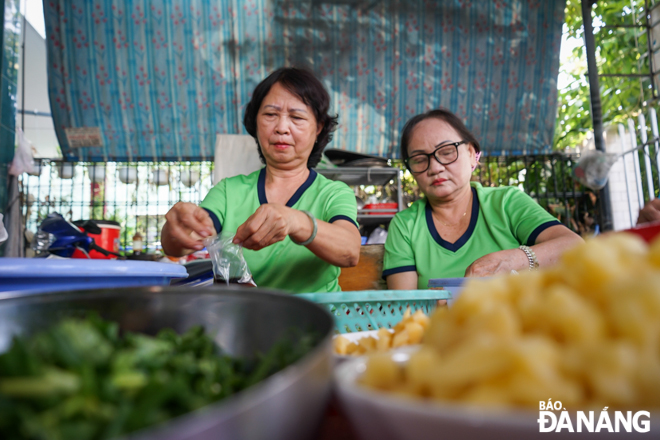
point(649, 213)
point(186, 226)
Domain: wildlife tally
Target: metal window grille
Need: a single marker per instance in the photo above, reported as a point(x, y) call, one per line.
point(106, 191)
point(549, 180)
point(137, 195)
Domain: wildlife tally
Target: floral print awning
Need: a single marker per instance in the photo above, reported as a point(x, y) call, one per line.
point(158, 79)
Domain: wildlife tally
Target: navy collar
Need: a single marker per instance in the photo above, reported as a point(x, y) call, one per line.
point(261, 188)
point(465, 237)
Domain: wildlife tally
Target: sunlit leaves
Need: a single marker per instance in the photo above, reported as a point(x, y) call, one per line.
point(619, 51)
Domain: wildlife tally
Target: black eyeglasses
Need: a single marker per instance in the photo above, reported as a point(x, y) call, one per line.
point(445, 154)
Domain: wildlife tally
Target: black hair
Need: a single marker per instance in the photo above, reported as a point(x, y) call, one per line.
point(444, 115)
point(310, 90)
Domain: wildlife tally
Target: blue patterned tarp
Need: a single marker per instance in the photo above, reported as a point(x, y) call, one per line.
point(160, 78)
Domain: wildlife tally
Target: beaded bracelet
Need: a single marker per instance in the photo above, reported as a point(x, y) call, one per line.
point(531, 257)
point(313, 236)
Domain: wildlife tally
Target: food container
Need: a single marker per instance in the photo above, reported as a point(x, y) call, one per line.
point(96, 173)
point(382, 208)
point(127, 174)
point(385, 416)
point(451, 285)
point(189, 177)
point(647, 231)
point(48, 275)
point(160, 177)
point(108, 239)
point(286, 406)
point(66, 170)
point(353, 337)
point(366, 310)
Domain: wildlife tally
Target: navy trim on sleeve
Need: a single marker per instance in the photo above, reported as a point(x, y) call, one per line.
point(388, 272)
point(536, 232)
point(344, 217)
point(216, 221)
point(453, 247)
point(261, 186)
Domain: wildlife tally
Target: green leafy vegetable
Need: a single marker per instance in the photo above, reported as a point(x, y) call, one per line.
point(82, 380)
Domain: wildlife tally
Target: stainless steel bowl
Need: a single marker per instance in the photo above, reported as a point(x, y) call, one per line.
point(287, 405)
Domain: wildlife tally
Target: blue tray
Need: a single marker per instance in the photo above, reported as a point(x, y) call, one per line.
point(38, 275)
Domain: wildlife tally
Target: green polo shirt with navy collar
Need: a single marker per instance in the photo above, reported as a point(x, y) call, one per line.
point(502, 218)
point(283, 265)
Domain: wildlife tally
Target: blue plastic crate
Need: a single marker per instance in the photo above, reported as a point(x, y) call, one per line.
point(373, 309)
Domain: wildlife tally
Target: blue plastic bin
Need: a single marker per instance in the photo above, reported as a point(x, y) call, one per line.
point(37, 275)
point(453, 285)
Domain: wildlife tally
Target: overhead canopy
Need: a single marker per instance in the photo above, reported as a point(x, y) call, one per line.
point(157, 80)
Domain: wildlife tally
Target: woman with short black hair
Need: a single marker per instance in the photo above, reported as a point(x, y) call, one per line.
point(296, 226)
point(460, 228)
point(306, 86)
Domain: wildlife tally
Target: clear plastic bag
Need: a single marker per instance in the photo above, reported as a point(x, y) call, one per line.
point(3, 231)
point(41, 241)
point(229, 265)
point(23, 162)
point(593, 168)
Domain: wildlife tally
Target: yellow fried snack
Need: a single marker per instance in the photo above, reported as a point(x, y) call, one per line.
point(410, 330)
point(384, 341)
point(585, 332)
point(340, 345)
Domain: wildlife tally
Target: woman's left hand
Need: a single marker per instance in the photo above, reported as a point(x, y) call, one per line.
point(501, 262)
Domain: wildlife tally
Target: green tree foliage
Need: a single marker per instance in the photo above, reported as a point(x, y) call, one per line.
point(622, 50)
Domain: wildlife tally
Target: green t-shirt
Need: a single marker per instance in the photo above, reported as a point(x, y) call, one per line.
point(502, 218)
point(283, 265)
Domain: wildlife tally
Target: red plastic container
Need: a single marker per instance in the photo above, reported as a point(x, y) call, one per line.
point(108, 239)
point(647, 231)
point(387, 208)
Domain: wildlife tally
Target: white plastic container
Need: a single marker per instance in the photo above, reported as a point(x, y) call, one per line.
point(96, 173)
point(66, 170)
point(189, 177)
point(160, 177)
point(127, 175)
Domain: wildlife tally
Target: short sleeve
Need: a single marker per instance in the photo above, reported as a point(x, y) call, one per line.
point(341, 204)
point(527, 218)
point(399, 255)
point(215, 203)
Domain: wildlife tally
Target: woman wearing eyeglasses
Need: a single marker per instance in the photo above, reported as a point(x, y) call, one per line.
point(461, 228)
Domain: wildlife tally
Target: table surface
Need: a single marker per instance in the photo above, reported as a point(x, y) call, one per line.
point(335, 425)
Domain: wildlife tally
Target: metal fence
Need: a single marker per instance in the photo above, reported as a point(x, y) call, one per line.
point(639, 147)
point(138, 195)
point(549, 180)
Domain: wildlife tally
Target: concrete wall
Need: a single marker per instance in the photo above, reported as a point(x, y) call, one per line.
point(622, 181)
point(38, 129)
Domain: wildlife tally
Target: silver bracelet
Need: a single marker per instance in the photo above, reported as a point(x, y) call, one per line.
point(313, 236)
point(531, 257)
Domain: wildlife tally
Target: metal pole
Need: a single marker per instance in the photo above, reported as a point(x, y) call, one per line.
point(23, 71)
point(647, 15)
point(596, 109)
